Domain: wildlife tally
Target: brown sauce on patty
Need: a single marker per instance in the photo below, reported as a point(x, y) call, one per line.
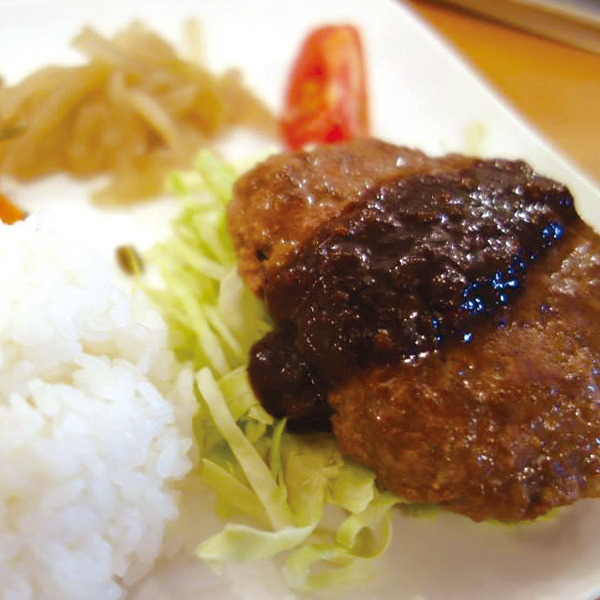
point(416, 264)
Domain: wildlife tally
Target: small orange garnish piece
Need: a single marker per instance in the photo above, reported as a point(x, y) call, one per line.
point(9, 213)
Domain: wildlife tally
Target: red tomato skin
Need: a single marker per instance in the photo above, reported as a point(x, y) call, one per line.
point(326, 97)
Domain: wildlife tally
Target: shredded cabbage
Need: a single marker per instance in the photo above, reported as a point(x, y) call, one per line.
point(281, 481)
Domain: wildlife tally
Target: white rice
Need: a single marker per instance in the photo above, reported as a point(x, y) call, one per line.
point(94, 430)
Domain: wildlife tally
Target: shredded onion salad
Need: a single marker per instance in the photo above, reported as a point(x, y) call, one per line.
point(282, 481)
point(135, 110)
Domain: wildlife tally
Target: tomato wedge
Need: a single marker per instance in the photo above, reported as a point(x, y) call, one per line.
point(9, 213)
point(326, 96)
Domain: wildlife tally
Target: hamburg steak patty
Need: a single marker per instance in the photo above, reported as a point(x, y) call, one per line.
point(445, 320)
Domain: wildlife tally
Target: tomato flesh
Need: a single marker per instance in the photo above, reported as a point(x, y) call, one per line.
point(326, 97)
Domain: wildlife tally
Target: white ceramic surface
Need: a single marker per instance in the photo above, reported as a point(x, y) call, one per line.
point(422, 95)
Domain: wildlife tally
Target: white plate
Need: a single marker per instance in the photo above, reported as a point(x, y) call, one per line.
point(422, 95)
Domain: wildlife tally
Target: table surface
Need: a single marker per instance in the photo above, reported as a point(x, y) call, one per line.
point(554, 86)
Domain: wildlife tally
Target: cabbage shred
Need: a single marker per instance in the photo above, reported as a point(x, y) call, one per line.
point(281, 481)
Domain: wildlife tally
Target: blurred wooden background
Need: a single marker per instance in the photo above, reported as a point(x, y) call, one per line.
point(555, 86)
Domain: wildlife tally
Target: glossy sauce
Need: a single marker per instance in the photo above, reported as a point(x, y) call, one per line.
point(418, 264)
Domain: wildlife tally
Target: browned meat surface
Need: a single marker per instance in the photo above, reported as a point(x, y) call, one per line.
point(446, 320)
point(506, 427)
point(279, 204)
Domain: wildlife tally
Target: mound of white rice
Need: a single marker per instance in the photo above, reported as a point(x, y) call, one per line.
point(93, 429)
